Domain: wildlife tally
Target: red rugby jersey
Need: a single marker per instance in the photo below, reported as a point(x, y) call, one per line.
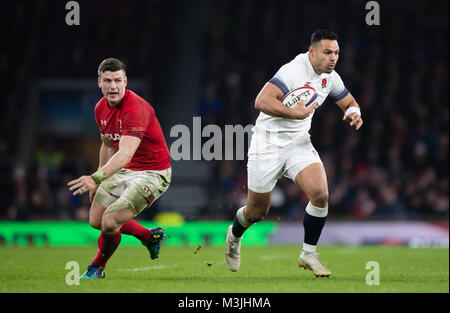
point(134, 116)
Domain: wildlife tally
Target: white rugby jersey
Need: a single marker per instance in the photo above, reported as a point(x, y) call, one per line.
point(299, 72)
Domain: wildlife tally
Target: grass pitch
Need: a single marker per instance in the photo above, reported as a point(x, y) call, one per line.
point(271, 269)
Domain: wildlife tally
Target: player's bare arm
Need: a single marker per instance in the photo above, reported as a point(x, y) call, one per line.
point(269, 101)
point(353, 116)
point(127, 147)
point(107, 150)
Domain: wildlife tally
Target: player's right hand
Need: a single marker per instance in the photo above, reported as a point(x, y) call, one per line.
point(301, 111)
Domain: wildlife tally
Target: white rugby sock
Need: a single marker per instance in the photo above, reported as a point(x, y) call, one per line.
point(316, 211)
point(309, 248)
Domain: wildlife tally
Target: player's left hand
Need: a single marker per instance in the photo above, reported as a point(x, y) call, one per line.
point(354, 120)
point(82, 185)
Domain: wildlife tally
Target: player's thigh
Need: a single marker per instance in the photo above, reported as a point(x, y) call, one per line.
point(305, 168)
point(313, 181)
point(149, 185)
point(111, 189)
point(265, 165)
point(131, 200)
point(263, 174)
point(143, 188)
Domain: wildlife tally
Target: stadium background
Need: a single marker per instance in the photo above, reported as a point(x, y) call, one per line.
point(210, 59)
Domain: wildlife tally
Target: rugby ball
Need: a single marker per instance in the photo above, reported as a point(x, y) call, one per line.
point(306, 93)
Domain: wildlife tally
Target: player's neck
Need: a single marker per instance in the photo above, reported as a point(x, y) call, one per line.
point(316, 70)
point(113, 105)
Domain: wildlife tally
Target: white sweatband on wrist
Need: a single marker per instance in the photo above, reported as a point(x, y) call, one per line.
point(353, 109)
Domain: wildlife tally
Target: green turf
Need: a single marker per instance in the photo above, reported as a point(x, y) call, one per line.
point(193, 269)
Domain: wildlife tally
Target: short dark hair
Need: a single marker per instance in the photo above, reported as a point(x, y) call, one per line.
point(320, 34)
point(111, 64)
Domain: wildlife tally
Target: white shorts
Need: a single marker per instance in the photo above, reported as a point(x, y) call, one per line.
point(267, 163)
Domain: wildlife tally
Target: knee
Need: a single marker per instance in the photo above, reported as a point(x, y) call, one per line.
point(319, 198)
point(256, 214)
point(110, 224)
point(95, 223)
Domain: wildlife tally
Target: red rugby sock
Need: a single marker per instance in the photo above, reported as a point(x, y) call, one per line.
point(135, 229)
point(107, 244)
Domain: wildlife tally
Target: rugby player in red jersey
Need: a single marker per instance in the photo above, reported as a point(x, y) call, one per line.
point(134, 167)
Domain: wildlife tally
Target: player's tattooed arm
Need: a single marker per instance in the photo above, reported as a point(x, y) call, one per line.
point(269, 101)
point(352, 112)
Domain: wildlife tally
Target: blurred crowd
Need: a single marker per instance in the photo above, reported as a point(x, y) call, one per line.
point(395, 166)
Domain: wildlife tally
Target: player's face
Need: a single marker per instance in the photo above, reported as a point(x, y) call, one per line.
point(113, 85)
point(324, 55)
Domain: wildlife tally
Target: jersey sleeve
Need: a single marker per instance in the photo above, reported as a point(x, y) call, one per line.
point(135, 122)
point(338, 90)
point(283, 79)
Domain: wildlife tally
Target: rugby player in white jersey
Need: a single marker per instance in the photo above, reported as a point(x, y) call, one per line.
point(281, 146)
